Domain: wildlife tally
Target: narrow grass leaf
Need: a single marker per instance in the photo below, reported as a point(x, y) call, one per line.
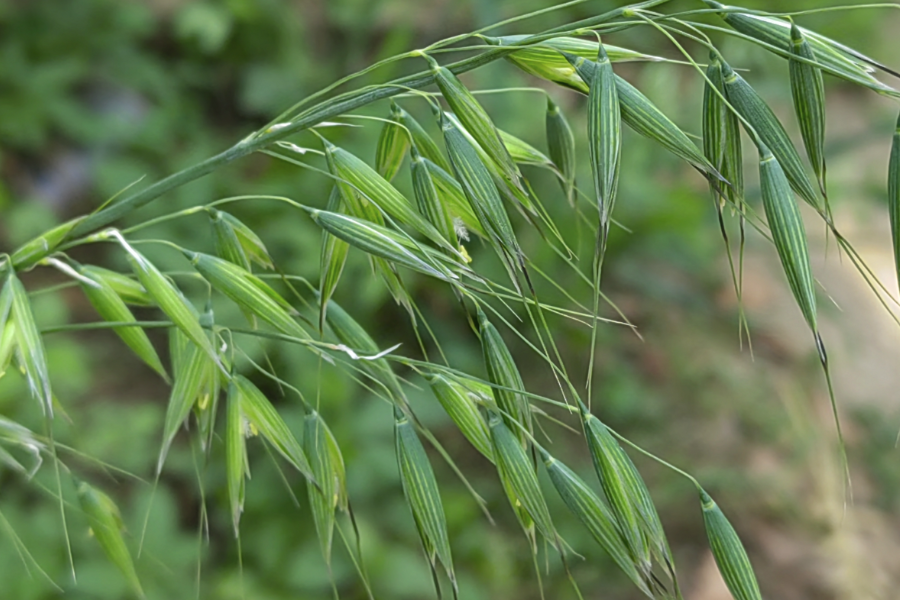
point(106, 525)
point(128, 288)
point(475, 119)
point(894, 194)
point(808, 91)
point(29, 343)
point(327, 464)
point(463, 410)
point(502, 371)
point(236, 466)
point(393, 142)
point(769, 131)
point(110, 306)
point(727, 549)
point(561, 146)
point(594, 514)
point(422, 494)
point(520, 481)
point(262, 415)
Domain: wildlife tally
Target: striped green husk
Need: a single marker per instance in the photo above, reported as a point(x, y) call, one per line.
point(522, 152)
point(727, 549)
point(561, 146)
point(639, 113)
point(128, 288)
point(835, 58)
point(331, 260)
point(236, 466)
point(328, 468)
point(393, 142)
point(451, 194)
point(227, 244)
point(517, 192)
point(170, 299)
point(196, 383)
point(545, 61)
point(106, 524)
point(604, 131)
point(645, 118)
point(33, 250)
point(475, 120)
point(788, 233)
point(481, 192)
point(808, 91)
point(622, 492)
point(29, 341)
point(463, 410)
point(422, 494)
point(424, 143)
point(112, 308)
point(248, 291)
point(894, 194)
point(354, 336)
point(519, 479)
point(376, 189)
point(594, 514)
point(7, 342)
point(380, 242)
point(502, 371)
point(427, 200)
point(722, 135)
point(251, 244)
point(769, 132)
point(260, 413)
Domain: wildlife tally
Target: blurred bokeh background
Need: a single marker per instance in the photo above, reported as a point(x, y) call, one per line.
point(98, 94)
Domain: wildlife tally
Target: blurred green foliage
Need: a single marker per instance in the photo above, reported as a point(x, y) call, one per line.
point(96, 95)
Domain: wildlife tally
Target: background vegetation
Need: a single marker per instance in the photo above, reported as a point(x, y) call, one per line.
point(96, 94)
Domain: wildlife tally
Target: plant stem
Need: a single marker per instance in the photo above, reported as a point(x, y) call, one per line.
point(323, 111)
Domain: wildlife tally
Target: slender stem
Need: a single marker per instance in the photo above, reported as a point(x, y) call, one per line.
point(323, 111)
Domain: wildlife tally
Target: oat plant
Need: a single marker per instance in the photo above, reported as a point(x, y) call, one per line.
point(468, 189)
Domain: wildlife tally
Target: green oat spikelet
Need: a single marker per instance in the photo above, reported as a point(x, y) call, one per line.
point(393, 142)
point(110, 306)
point(423, 496)
point(727, 549)
point(808, 92)
point(561, 146)
point(106, 525)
